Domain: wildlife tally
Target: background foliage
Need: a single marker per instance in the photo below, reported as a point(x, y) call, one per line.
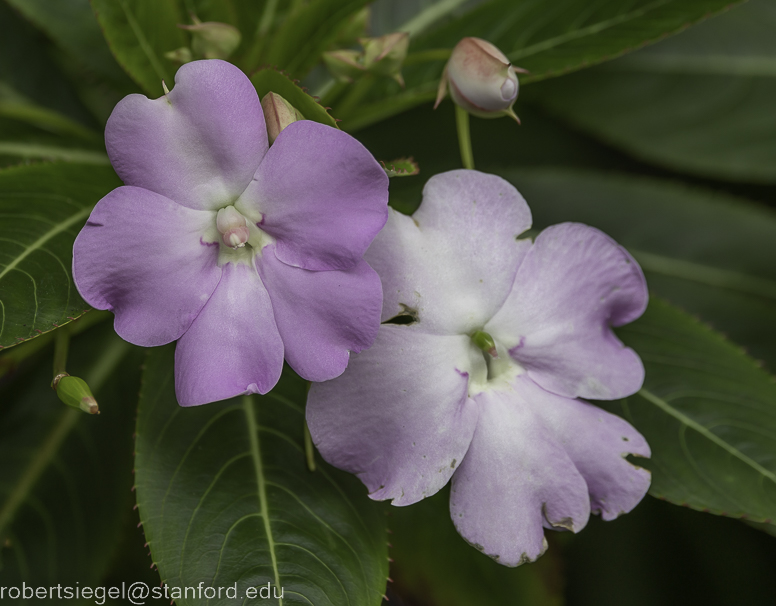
point(666, 142)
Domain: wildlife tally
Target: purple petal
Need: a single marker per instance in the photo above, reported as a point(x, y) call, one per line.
point(322, 315)
point(399, 417)
point(199, 145)
point(573, 285)
point(453, 262)
point(233, 347)
point(597, 442)
point(515, 480)
point(142, 256)
point(321, 194)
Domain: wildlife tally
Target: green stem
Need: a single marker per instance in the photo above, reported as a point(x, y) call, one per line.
point(464, 139)
point(61, 346)
point(309, 451)
point(267, 17)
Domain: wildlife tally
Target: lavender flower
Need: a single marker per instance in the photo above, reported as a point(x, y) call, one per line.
point(242, 252)
point(482, 386)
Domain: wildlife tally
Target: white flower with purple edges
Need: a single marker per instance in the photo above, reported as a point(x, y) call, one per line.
point(242, 252)
point(482, 387)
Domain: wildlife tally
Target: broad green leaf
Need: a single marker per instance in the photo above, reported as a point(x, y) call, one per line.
point(709, 253)
point(701, 102)
point(225, 497)
point(708, 413)
point(28, 67)
point(73, 27)
point(43, 208)
point(547, 38)
point(64, 475)
point(432, 561)
point(270, 80)
point(139, 33)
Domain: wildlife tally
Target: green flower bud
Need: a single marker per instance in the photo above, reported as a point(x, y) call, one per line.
point(344, 65)
point(278, 113)
point(385, 55)
point(75, 393)
point(213, 40)
point(180, 55)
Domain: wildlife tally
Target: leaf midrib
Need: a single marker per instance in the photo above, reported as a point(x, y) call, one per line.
point(703, 431)
point(583, 32)
point(253, 431)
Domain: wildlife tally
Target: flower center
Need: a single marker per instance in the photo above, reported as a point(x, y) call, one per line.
point(496, 367)
point(233, 227)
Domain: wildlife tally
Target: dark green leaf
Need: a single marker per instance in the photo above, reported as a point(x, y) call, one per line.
point(139, 33)
point(431, 560)
point(65, 476)
point(305, 33)
point(700, 102)
point(43, 208)
point(72, 25)
point(270, 80)
point(547, 38)
point(709, 253)
point(708, 413)
point(226, 498)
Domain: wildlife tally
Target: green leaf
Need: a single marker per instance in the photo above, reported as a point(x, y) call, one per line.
point(139, 33)
point(709, 253)
point(65, 476)
point(701, 102)
point(305, 33)
point(72, 25)
point(547, 38)
point(43, 208)
point(225, 497)
point(431, 560)
point(708, 413)
point(271, 80)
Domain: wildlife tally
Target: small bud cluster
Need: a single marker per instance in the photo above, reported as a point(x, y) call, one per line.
point(382, 56)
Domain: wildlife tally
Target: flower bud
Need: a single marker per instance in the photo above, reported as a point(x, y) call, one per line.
point(213, 40)
point(385, 55)
point(344, 65)
point(481, 80)
point(180, 55)
point(278, 113)
point(75, 392)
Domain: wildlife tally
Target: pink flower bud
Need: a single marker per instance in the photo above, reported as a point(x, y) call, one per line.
point(278, 113)
point(233, 227)
point(481, 79)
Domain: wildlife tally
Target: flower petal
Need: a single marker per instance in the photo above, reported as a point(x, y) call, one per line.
point(573, 285)
point(453, 262)
point(399, 417)
point(322, 315)
point(515, 480)
point(321, 194)
point(142, 256)
point(597, 442)
point(233, 347)
point(199, 145)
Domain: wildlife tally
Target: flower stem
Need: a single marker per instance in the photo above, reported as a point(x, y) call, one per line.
point(61, 347)
point(464, 139)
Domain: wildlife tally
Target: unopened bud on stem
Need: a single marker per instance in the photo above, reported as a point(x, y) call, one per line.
point(278, 113)
point(480, 79)
point(74, 392)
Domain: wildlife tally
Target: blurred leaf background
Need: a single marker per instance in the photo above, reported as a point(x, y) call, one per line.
point(653, 121)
